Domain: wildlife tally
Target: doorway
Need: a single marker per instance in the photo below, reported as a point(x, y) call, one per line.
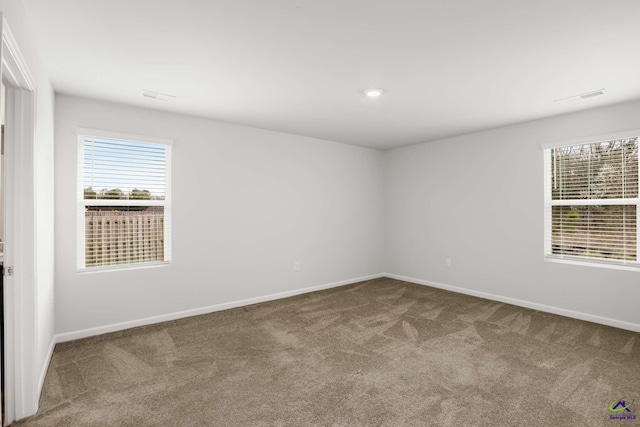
point(20, 357)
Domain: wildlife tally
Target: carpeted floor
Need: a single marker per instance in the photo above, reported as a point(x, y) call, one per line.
point(382, 352)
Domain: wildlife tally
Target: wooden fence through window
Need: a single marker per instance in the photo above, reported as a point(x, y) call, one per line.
point(123, 237)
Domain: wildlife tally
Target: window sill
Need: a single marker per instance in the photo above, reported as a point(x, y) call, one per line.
point(123, 267)
point(593, 263)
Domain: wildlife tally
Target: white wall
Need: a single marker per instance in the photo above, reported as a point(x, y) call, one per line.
point(478, 199)
point(271, 199)
point(17, 18)
point(247, 204)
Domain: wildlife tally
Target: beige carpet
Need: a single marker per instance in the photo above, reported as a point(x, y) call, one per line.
point(382, 352)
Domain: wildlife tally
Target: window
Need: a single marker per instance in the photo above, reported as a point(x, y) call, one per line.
point(591, 202)
point(124, 200)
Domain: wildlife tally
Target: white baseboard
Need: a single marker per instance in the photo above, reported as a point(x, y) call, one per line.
point(521, 303)
point(45, 366)
point(84, 333)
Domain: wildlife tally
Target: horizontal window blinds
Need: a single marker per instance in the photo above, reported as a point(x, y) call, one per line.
point(603, 170)
point(124, 202)
point(124, 170)
point(592, 201)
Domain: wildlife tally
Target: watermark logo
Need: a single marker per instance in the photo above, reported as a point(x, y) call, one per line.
point(621, 410)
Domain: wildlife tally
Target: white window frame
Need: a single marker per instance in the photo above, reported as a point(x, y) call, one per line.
point(549, 203)
point(82, 203)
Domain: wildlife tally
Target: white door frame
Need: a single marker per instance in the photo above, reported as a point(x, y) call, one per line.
point(20, 359)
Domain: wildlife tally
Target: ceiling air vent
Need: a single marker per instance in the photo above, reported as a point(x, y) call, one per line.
point(581, 96)
point(157, 95)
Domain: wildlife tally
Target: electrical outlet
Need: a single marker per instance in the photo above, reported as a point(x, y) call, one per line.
point(448, 263)
point(296, 266)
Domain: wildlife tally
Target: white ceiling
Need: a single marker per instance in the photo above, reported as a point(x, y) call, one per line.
point(448, 67)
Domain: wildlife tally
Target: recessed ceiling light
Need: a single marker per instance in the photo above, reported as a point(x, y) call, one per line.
point(581, 96)
point(373, 92)
point(157, 95)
